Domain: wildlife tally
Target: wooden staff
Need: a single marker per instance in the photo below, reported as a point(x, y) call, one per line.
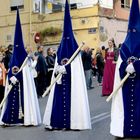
point(120, 85)
point(23, 64)
point(10, 86)
point(59, 75)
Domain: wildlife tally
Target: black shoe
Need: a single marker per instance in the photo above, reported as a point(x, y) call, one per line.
point(118, 138)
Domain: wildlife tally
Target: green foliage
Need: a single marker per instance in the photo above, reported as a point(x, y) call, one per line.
point(50, 31)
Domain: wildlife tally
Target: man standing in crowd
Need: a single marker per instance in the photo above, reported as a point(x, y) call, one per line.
point(42, 69)
point(87, 64)
point(50, 59)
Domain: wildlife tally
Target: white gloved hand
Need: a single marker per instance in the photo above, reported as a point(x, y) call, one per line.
point(59, 81)
point(130, 68)
point(13, 80)
point(60, 69)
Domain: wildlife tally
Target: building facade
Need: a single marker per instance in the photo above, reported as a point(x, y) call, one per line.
point(113, 22)
point(94, 21)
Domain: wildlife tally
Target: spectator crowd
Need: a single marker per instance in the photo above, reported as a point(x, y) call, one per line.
point(97, 63)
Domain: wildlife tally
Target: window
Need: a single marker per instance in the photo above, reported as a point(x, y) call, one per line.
point(43, 6)
point(50, 6)
point(56, 7)
point(53, 6)
point(101, 29)
point(9, 38)
point(125, 3)
point(92, 30)
point(37, 7)
point(73, 6)
point(16, 3)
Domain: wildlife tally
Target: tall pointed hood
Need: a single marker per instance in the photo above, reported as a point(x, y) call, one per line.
point(134, 18)
point(131, 45)
point(19, 53)
point(67, 21)
point(68, 43)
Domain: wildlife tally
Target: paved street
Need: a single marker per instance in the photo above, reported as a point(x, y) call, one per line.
point(100, 117)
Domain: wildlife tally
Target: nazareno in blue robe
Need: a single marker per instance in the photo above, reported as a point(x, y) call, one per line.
point(64, 104)
point(60, 117)
point(21, 105)
point(129, 52)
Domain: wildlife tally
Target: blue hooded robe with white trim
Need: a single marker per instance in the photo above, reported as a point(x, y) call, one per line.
point(67, 105)
point(125, 112)
point(21, 105)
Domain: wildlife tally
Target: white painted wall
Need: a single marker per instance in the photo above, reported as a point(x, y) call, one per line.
point(84, 3)
point(106, 3)
point(116, 29)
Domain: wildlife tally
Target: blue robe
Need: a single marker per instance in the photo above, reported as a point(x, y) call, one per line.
point(130, 92)
point(125, 112)
point(15, 102)
point(67, 105)
point(60, 117)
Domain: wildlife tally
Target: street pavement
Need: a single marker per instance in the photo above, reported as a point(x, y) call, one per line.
point(100, 118)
